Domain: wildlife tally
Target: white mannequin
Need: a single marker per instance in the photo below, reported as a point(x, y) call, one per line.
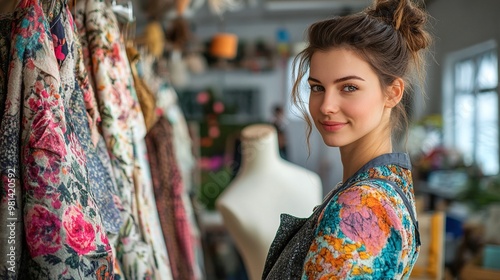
point(265, 187)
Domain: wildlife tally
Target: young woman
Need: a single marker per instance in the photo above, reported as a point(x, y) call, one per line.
point(359, 69)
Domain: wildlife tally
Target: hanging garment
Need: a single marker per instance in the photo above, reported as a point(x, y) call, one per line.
point(101, 48)
point(156, 146)
point(68, 54)
point(145, 96)
point(84, 82)
point(94, 118)
point(10, 184)
point(167, 106)
point(182, 145)
point(148, 212)
point(141, 248)
point(168, 193)
point(63, 229)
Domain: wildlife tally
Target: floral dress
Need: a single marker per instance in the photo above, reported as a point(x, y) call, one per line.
point(63, 229)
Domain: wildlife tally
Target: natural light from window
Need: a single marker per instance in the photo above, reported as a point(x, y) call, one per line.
point(472, 108)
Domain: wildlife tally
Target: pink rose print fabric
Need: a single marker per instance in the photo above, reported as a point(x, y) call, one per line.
point(80, 233)
point(40, 148)
point(42, 231)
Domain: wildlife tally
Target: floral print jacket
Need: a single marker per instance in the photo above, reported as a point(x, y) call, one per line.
point(41, 151)
point(365, 231)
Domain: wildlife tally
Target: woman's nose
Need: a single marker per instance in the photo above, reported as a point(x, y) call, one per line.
point(329, 104)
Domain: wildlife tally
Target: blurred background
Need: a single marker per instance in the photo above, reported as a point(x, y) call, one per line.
point(229, 62)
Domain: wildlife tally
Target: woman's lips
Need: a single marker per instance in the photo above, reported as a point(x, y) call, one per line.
point(332, 126)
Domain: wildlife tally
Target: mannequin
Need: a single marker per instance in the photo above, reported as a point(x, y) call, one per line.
point(265, 187)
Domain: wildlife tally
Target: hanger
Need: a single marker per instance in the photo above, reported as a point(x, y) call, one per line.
point(124, 12)
point(125, 16)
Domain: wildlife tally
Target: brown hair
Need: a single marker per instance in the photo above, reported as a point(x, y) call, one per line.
point(390, 36)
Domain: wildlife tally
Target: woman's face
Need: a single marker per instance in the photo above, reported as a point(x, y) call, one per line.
point(346, 100)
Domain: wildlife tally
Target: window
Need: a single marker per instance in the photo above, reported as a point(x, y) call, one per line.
point(471, 106)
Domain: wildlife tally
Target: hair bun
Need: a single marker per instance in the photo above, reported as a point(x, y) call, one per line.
point(405, 17)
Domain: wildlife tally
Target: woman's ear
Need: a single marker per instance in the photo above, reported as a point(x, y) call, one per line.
point(395, 93)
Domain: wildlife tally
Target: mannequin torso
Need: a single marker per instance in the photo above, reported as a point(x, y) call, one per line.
point(265, 187)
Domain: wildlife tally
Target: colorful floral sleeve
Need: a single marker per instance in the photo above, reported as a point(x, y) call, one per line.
point(361, 234)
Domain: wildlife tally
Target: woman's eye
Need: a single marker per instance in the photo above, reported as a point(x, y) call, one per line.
point(349, 88)
point(316, 88)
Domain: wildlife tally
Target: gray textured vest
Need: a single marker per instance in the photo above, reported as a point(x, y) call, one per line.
point(289, 248)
